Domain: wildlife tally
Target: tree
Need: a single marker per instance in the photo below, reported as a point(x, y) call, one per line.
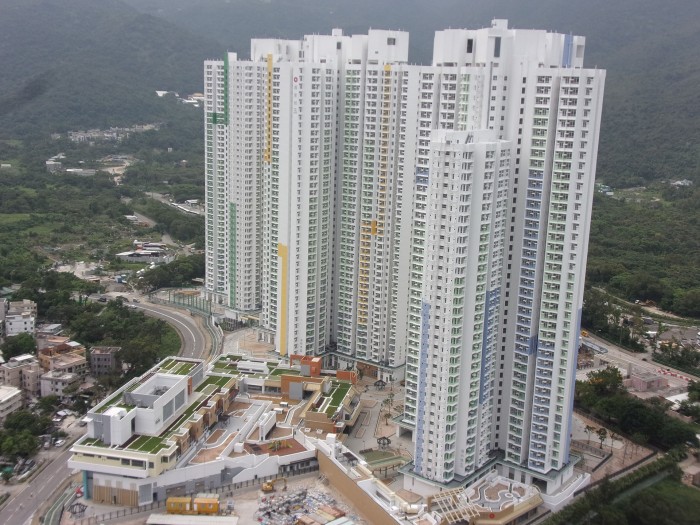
point(387, 416)
point(606, 382)
point(18, 345)
point(48, 404)
point(25, 420)
point(386, 404)
point(613, 438)
point(589, 430)
point(694, 391)
point(602, 434)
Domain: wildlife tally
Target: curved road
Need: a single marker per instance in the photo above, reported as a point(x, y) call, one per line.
point(20, 508)
point(195, 341)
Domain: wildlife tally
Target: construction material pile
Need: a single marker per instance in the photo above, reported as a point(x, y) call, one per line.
point(300, 507)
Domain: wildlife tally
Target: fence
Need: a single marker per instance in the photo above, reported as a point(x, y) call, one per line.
point(224, 490)
point(593, 451)
point(178, 296)
point(616, 474)
point(54, 514)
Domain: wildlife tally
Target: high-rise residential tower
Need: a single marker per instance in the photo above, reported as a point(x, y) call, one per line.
point(426, 222)
point(505, 353)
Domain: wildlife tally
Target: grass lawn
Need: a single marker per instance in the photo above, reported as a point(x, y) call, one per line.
point(374, 456)
point(339, 394)
point(112, 401)
point(284, 371)
point(167, 365)
point(225, 370)
point(93, 442)
point(217, 381)
point(147, 444)
point(182, 369)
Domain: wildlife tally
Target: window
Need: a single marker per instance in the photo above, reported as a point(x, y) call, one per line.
point(390, 41)
point(470, 45)
point(497, 47)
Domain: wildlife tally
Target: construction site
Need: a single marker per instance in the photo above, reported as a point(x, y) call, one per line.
point(309, 501)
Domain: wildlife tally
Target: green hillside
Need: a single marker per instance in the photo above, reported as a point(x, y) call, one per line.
point(648, 47)
point(71, 64)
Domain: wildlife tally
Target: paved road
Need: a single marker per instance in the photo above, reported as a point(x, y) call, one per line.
point(20, 509)
point(623, 358)
point(195, 342)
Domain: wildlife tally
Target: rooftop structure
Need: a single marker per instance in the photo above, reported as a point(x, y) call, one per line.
point(103, 360)
point(59, 383)
point(23, 306)
point(207, 421)
point(20, 318)
point(10, 400)
point(23, 372)
point(68, 356)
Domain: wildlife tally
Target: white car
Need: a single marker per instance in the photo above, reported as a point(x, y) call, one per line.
point(60, 442)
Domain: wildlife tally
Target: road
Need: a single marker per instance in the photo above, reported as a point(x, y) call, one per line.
point(623, 358)
point(20, 508)
point(195, 341)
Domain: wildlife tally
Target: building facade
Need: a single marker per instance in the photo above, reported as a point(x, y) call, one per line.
point(23, 372)
point(10, 401)
point(427, 222)
point(59, 383)
point(20, 318)
point(104, 360)
point(531, 89)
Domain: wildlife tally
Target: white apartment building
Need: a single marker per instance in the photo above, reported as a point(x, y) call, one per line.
point(10, 401)
point(20, 318)
point(531, 89)
point(358, 179)
point(460, 224)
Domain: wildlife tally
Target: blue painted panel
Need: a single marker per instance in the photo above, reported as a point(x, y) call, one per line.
point(493, 298)
point(422, 380)
point(568, 49)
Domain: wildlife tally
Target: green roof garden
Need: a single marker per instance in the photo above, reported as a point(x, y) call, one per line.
point(114, 401)
point(332, 401)
point(168, 364)
point(339, 393)
point(182, 419)
point(176, 366)
point(148, 444)
point(94, 442)
point(284, 371)
point(217, 381)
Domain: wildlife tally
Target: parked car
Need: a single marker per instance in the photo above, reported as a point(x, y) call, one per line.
point(60, 442)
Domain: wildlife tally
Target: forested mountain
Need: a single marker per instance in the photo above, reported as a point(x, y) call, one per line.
point(79, 63)
point(70, 64)
point(649, 48)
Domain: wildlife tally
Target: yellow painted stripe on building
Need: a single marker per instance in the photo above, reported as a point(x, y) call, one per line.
point(374, 227)
point(387, 67)
point(283, 253)
point(268, 130)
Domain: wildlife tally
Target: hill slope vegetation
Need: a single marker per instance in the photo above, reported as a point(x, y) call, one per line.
point(649, 49)
point(71, 64)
